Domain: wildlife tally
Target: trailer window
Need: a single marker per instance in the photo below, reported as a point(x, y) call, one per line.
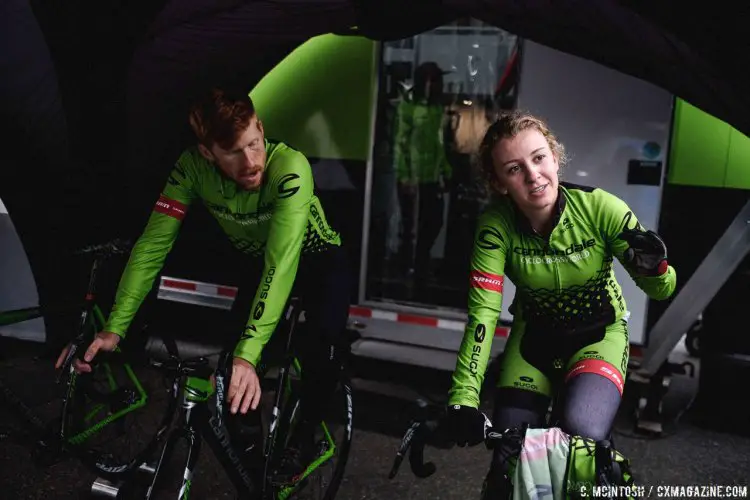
point(436, 92)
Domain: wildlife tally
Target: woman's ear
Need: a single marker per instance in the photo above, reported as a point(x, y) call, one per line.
point(497, 186)
point(557, 162)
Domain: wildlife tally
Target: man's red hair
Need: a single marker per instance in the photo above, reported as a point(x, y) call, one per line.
point(221, 116)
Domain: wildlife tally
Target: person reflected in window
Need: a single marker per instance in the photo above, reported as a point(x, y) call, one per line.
point(422, 170)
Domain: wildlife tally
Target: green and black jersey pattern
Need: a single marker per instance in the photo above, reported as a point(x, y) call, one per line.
point(571, 308)
point(279, 222)
point(564, 283)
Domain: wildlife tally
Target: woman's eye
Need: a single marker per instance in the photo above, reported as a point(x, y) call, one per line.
point(539, 158)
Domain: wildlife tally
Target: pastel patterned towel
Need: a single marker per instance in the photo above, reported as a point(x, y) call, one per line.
point(540, 469)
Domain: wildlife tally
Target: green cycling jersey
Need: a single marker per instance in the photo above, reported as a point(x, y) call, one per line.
point(279, 222)
point(419, 152)
point(564, 283)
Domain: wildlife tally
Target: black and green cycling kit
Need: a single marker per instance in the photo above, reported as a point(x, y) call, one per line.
point(566, 293)
point(279, 222)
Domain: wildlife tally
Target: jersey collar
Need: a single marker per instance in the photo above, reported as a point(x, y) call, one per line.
point(523, 222)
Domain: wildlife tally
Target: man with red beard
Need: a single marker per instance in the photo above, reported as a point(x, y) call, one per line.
point(262, 195)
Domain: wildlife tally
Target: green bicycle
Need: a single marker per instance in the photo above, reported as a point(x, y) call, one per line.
point(202, 373)
point(89, 419)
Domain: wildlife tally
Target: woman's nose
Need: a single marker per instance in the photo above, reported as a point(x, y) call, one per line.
point(532, 173)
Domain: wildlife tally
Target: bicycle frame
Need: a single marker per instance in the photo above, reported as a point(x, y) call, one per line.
point(20, 315)
point(199, 423)
point(91, 317)
point(287, 491)
point(203, 418)
point(87, 310)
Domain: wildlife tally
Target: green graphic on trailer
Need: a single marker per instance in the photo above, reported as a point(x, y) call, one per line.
point(707, 151)
point(327, 112)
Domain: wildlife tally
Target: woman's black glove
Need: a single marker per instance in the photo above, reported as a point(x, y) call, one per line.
point(647, 253)
point(467, 425)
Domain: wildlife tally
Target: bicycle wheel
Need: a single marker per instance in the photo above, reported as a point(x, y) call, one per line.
point(113, 418)
point(27, 404)
point(322, 478)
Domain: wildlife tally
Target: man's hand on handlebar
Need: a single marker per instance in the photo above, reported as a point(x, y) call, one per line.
point(244, 389)
point(103, 341)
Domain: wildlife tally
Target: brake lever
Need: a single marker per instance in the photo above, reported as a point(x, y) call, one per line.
point(419, 467)
point(65, 368)
point(403, 448)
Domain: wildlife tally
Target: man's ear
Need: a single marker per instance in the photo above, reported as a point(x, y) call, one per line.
point(260, 126)
point(206, 153)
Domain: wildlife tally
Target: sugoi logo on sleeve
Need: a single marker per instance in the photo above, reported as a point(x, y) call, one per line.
point(479, 333)
point(486, 281)
point(170, 207)
point(259, 309)
point(288, 188)
point(265, 289)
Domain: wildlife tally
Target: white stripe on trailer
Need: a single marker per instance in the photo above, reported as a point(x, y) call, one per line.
point(384, 315)
point(451, 324)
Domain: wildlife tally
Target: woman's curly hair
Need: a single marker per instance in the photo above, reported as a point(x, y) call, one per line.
point(508, 124)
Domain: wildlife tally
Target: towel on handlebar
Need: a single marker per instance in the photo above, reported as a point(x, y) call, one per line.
point(540, 468)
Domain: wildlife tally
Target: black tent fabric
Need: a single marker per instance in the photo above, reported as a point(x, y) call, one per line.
point(193, 44)
point(125, 71)
point(34, 139)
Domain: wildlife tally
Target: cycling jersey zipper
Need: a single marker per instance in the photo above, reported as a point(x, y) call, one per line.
point(546, 247)
point(555, 263)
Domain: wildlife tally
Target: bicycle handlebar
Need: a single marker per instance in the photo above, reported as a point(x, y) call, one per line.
point(109, 249)
point(417, 431)
point(415, 439)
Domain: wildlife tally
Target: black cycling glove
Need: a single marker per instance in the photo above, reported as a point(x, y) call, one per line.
point(647, 255)
point(467, 425)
